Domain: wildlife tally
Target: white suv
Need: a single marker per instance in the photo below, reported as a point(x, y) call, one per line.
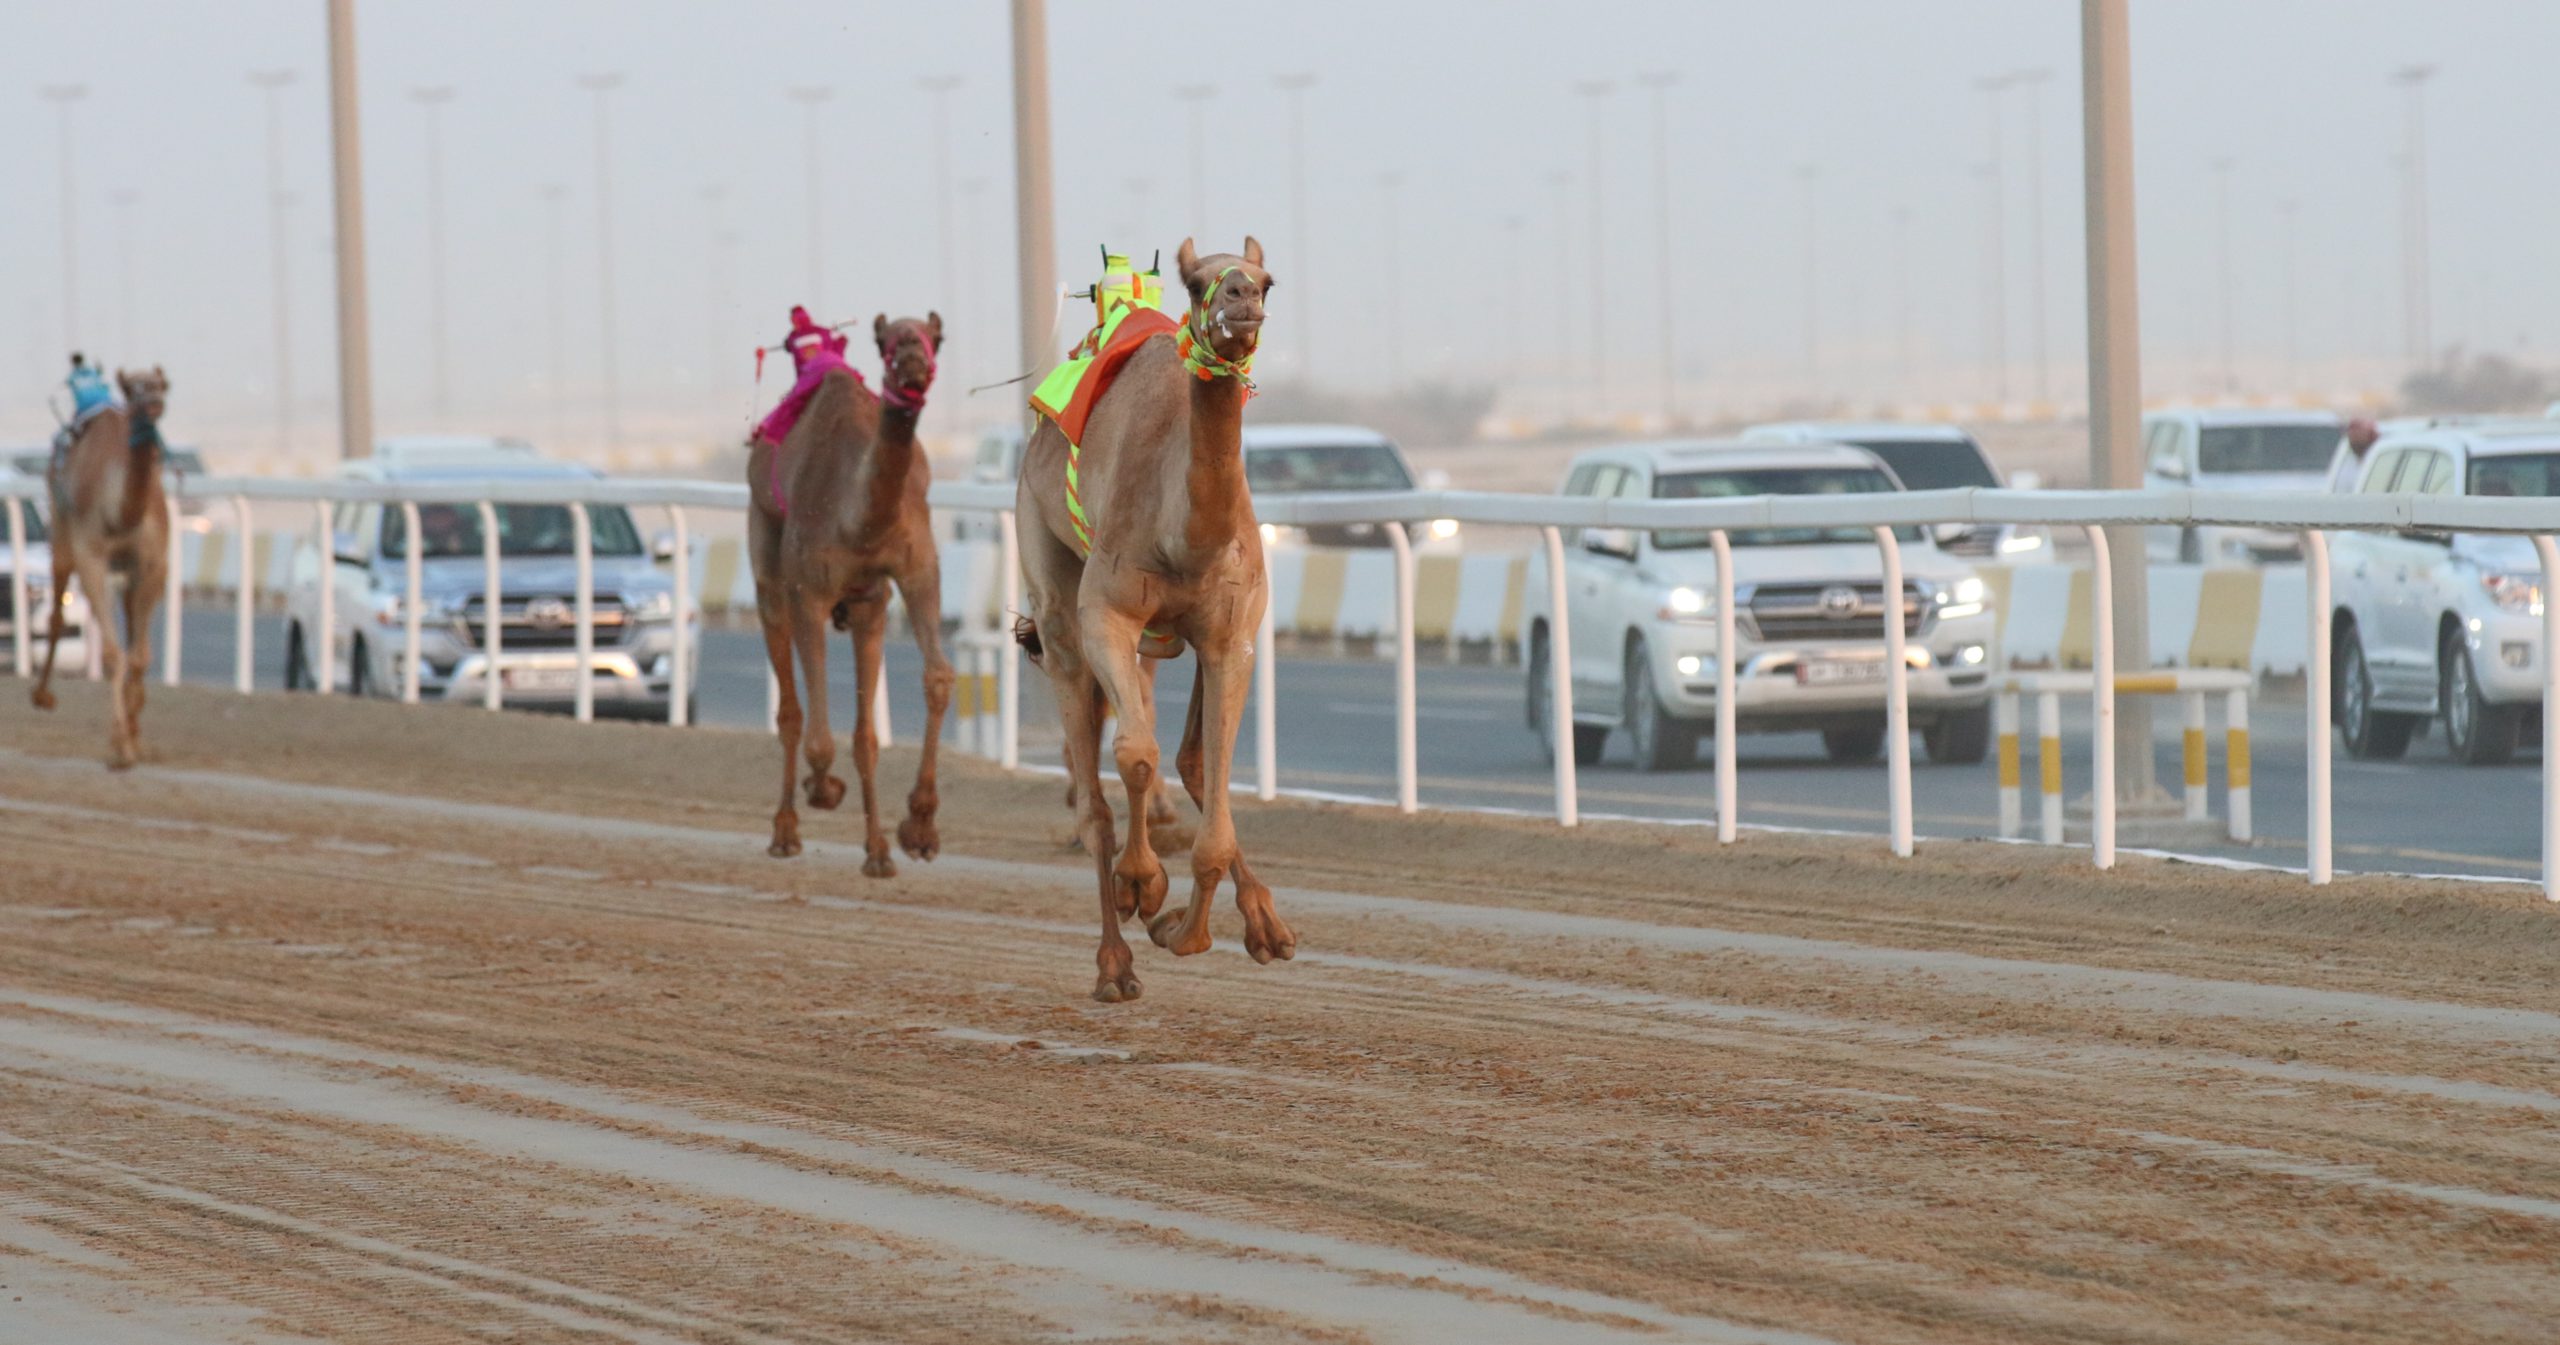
point(1925, 456)
point(2443, 625)
point(1809, 614)
point(2230, 449)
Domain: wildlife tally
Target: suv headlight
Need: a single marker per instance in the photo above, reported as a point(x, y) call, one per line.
point(391, 611)
point(1687, 604)
point(1280, 532)
point(655, 606)
point(1442, 529)
point(2519, 593)
point(1963, 598)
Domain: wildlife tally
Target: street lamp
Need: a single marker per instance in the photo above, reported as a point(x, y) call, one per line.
point(62, 96)
point(1597, 90)
point(2285, 212)
point(555, 258)
point(1296, 86)
point(433, 98)
point(271, 83)
point(809, 96)
point(1196, 97)
point(123, 198)
point(1902, 297)
point(602, 85)
point(1660, 82)
point(1561, 182)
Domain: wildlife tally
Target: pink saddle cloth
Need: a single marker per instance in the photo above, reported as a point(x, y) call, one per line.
point(776, 427)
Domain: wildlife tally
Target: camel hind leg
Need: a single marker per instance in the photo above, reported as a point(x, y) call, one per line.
point(921, 589)
point(42, 696)
point(1111, 648)
point(786, 726)
point(142, 592)
point(869, 624)
point(1207, 758)
point(91, 563)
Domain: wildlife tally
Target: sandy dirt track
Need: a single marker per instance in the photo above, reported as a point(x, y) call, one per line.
point(358, 1022)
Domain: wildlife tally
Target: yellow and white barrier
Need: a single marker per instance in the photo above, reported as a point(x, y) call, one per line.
point(2190, 684)
point(2250, 619)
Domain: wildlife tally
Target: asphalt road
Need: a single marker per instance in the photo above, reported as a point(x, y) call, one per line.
point(2423, 815)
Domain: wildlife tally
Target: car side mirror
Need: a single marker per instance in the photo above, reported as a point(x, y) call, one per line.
point(344, 547)
point(1618, 542)
point(1948, 534)
point(662, 546)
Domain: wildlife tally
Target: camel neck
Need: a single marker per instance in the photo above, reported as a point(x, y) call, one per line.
point(893, 459)
point(1221, 506)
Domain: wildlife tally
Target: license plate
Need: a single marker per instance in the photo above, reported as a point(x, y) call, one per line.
point(1839, 672)
point(540, 679)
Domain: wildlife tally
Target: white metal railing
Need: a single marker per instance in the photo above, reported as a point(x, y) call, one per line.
point(2311, 513)
point(2190, 685)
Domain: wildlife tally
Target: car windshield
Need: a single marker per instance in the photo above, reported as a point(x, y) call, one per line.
point(1772, 481)
point(184, 460)
point(523, 530)
point(1321, 467)
point(1932, 464)
point(30, 518)
point(2267, 448)
point(2523, 474)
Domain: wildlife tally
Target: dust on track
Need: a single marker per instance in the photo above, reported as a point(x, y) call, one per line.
point(1619, 1083)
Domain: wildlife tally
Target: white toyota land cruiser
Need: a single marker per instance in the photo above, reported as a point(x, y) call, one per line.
point(1808, 618)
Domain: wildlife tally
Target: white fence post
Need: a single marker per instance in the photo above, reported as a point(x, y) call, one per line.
point(1897, 696)
point(244, 654)
point(2049, 767)
point(21, 616)
point(412, 599)
point(173, 597)
point(1009, 669)
point(2235, 762)
point(584, 541)
point(1408, 765)
point(2004, 722)
point(2549, 552)
point(2191, 756)
point(679, 661)
point(2315, 706)
point(324, 652)
point(1728, 788)
point(493, 615)
point(1266, 705)
point(2102, 695)
point(1560, 680)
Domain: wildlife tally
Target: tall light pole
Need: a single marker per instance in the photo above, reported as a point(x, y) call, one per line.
point(433, 98)
point(813, 182)
point(1597, 91)
point(271, 84)
point(555, 257)
point(1035, 249)
point(346, 195)
point(2418, 313)
point(2223, 281)
point(1388, 183)
point(1995, 325)
point(2115, 365)
point(128, 329)
point(2285, 212)
point(1560, 183)
point(940, 87)
point(1296, 86)
point(2033, 82)
point(602, 86)
point(62, 96)
point(1195, 99)
point(1659, 82)
point(1809, 177)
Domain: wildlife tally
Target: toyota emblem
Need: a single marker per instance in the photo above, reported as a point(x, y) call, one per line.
point(1839, 602)
point(552, 613)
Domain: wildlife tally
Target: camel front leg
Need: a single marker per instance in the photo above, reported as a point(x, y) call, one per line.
point(870, 623)
point(92, 566)
point(142, 593)
point(809, 620)
point(921, 589)
point(42, 697)
point(1225, 674)
point(786, 724)
point(1111, 646)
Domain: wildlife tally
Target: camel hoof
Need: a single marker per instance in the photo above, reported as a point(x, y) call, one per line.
point(1167, 932)
point(121, 761)
point(825, 791)
point(1267, 948)
point(43, 699)
point(782, 849)
point(879, 866)
point(919, 838)
point(1117, 991)
point(1142, 894)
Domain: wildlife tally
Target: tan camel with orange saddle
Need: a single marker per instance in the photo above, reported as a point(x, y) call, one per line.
point(111, 521)
point(1143, 537)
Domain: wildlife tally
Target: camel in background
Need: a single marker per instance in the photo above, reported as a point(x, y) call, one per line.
point(1176, 562)
point(111, 517)
point(837, 514)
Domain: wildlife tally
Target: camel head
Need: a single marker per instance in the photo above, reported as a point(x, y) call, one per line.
point(907, 350)
point(146, 391)
point(1227, 294)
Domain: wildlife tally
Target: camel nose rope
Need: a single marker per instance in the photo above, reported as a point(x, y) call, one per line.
point(895, 396)
point(1201, 358)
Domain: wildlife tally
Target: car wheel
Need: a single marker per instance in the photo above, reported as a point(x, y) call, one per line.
point(1588, 739)
point(2371, 734)
point(2475, 732)
point(1855, 742)
point(1659, 741)
point(1959, 737)
point(2190, 547)
point(358, 685)
point(297, 662)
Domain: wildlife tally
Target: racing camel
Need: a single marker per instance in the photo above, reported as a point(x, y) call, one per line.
point(111, 517)
point(837, 515)
point(1174, 560)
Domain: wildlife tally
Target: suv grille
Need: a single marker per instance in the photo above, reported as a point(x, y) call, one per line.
point(1798, 612)
point(542, 621)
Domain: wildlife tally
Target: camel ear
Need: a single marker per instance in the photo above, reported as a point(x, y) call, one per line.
point(1252, 250)
point(933, 324)
point(124, 383)
point(161, 374)
point(1186, 260)
point(879, 329)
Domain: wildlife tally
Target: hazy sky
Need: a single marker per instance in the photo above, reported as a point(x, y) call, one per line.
point(1471, 102)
